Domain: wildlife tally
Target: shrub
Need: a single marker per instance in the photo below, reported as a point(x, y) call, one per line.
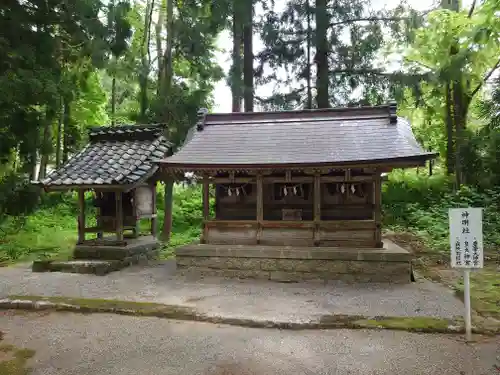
point(420, 204)
point(17, 196)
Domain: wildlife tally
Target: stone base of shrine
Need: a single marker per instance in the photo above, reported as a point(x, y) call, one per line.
point(101, 259)
point(391, 264)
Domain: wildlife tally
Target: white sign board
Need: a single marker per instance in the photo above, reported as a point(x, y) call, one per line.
point(466, 237)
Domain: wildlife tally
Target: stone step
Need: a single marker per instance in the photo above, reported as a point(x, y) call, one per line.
point(96, 267)
point(103, 253)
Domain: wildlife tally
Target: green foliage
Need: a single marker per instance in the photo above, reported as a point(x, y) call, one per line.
point(482, 150)
point(119, 27)
point(187, 213)
point(456, 51)
point(48, 231)
point(51, 229)
point(474, 40)
point(90, 108)
point(17, 196)
point(419, 204)
point(39, 41)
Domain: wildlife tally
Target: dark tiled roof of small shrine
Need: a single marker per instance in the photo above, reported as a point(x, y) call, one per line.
point(308, 137)
point(115, 155)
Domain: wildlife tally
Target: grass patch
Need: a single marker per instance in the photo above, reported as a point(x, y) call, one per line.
point(13, 360)
point(414, 324)
point(50, 233)
point(485, 291)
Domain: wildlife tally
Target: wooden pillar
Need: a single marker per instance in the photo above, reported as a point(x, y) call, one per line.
point(135, 213)
point(317, 208)
point(154, 219)
point(169, 202)
point(81, 216)
point(260, 206)
point(206, 208)
point(119, 215)
point(136, 231)
point(377, 209)
point(98, 196)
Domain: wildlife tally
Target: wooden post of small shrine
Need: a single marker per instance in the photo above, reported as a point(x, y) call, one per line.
point(206, 207)
point(136, 230)
point(154, 220)
point(81, 216)
point(317, 208)
point(260, 206)
point(98, 196)
point(377, 206)
point(119, 215)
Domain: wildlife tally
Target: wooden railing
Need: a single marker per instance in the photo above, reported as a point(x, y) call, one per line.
point(290, 233)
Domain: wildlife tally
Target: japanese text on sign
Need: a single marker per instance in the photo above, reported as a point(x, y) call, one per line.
point(466, 237)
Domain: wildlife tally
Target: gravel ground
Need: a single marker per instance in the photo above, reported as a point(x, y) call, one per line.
point(249, 299)
point(102, 344)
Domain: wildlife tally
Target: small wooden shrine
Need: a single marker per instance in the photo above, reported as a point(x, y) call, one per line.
point(118, 167)
point(308, 182)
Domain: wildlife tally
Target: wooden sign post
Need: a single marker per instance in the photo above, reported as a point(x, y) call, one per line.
point(466, 241)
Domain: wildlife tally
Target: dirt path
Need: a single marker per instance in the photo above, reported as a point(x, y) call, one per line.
point(246, 299)
point(74, 344)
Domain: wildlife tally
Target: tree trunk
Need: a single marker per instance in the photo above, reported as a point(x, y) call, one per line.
point(168, 66)
point(59, 133)
point(450, 133)
point(32, 156)
point(66, 128)
point(159, 47)
point(453, 5)
point(237, 63)
point(113, 98)
point(46, 148)
point(322, 54)
point(145, 61)
point(248, 57)
point(167, 223)
point(308, 54)
point(460, 109)
point(169, 183)
point(16, 158)
point(143, 85)
point(33, 165)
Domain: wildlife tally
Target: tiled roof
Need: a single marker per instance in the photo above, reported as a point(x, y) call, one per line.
point(332, 136)
point(118, 155)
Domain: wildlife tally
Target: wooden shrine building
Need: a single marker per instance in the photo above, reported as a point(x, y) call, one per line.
point(118, 167)
point(297, 192)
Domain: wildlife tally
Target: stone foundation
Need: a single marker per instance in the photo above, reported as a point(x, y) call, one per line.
point(390, 264)
point(101, 260)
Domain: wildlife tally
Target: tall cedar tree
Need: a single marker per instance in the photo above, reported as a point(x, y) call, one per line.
point(345, 39)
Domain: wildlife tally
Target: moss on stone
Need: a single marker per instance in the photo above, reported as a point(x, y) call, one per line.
point(114, 306)
point(339, 320)
point(13, 360)
point(327, 321)
point(415, 324)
